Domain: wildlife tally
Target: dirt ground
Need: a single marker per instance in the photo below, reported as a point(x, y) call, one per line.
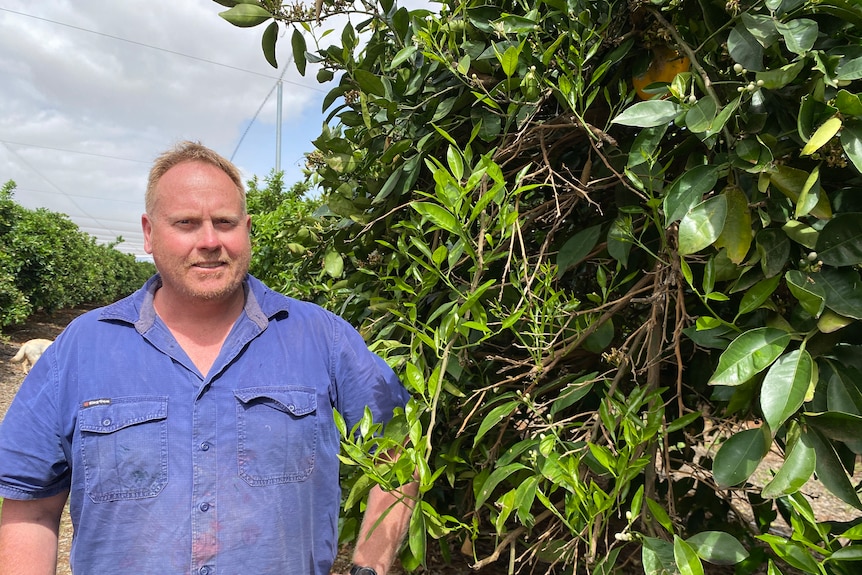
point(48, 326)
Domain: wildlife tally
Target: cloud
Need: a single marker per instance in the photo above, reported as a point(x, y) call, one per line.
point(92, 91)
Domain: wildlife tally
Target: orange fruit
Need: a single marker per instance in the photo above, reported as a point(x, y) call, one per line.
point(665, 65)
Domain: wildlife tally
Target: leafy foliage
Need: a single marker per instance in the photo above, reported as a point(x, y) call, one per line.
point(579, 284)
point(47, 263)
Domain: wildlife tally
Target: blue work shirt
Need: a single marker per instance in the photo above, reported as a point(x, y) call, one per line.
point(173, 471)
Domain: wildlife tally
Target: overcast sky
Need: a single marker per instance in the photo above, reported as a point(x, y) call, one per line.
point(92, 90)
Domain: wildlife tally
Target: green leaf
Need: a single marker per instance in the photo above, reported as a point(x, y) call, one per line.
point(840, 241)
point(736, 234)
point(246, 15)
point(577, 248)
point(774, 250)
point(688, 190)
point(494, 417)
point(799, 34)
point(648, 114)
point(848, 103)
point(791, 181)
point(270, 36)
point(795, 554)
point(333, 264)
point(369, 83)
point(801, 233)
point(845, 427)
point(739, 456)
point(749, 354)
point(699, 117)
point(657, 556)
point(830, 470)
point(744, 48)
point(659, 514)
point(850, 70)
point(718, 547)
point(685, 557)
point(487, 487)
point(851, 141)
point(843, 290)
point(795, 472)
point(297, 44)
point(702, 225)
point(757, 295)
point(777, 78)
point(785, 387)
point(811, 296)
point(439, 216)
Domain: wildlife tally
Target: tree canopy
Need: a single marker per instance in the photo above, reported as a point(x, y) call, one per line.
point(595, 237)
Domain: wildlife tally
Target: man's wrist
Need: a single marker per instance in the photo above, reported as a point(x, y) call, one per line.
point(360, 570)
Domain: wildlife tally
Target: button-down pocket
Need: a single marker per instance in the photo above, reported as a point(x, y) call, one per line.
point(124, 447)
point(276, 433)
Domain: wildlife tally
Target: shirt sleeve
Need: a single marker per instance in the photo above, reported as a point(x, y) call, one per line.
point(33, 464)
point(364, 379)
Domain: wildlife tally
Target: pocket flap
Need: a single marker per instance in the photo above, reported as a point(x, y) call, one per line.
point(109, 415)
point(295, 400)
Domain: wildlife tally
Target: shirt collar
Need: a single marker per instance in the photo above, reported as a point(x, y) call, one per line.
point(261, 304)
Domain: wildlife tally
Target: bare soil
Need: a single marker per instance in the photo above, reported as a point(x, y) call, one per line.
point(48, 326)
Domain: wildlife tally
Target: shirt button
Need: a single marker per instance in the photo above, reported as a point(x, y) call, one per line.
point(204, 506)
point(205, 446)
point(205, 570)
point(106, 422)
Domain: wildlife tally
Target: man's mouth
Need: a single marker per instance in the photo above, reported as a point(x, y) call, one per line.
point(208, 265)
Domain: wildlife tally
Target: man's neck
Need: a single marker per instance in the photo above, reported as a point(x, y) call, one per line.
point(200, 327)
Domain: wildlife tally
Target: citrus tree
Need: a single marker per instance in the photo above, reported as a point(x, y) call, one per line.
point(48, 263)
point(613, 249)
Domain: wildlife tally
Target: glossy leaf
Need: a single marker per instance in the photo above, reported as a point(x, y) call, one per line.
point(688, 190)
point(702, 225)
point(846, 427)
point(749, 354)
point(795, 554)
point(785, 387)
point(268, 41)
point(494, 417)
point(648, 114)
point(736, 235)
point(830, 470)
point(791, 181)
point(438, 215)
point(739, 456)
point(757, 295)
point(851, 141)
point(718, 547)
point(685, 557)
point(840, 241)
point(843, 290)
point(797, 469)
point(811, 296)
point(799, 34)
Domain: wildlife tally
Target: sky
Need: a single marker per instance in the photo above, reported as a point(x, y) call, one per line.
point(91, 91)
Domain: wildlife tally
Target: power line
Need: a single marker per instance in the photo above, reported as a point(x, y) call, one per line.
point(174, 52)
point(52, 184)
point(72, 151)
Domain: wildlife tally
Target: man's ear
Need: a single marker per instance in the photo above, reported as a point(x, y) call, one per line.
point(147, 227)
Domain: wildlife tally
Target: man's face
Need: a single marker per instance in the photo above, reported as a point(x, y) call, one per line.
point(198, 233)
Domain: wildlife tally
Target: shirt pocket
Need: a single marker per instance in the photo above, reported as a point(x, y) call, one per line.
point(124, 447)
point(276, 434)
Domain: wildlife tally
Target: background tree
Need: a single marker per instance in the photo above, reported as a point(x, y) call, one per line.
point(47, 263)
point(593, 235)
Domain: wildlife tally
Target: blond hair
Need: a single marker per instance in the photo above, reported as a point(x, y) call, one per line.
point(188, 151)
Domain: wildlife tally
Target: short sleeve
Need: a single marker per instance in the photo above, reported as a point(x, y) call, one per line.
point(33, 463)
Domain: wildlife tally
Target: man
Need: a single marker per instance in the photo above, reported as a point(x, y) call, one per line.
point(191, 424)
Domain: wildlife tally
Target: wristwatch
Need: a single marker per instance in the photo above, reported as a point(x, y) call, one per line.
point(358, 570)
